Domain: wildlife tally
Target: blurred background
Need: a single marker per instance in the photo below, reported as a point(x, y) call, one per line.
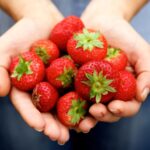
point(127, 134)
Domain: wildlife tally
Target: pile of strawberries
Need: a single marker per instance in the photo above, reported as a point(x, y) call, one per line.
point(71, 70)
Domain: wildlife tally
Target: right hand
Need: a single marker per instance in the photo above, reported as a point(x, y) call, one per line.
point(16, 40)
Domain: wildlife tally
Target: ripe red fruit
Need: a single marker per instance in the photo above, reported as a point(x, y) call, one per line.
point(96, 81)
point(127, 86)
point(44, 96)
point(46, 50)
point(61, 72)
point(117, 58)
point(26, 71)
point(71, 109)
point(64, 30)
point(87, 45)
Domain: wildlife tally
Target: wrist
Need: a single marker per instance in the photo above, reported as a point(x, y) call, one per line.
point(41, 12)
point(45, 14)
point(132, 7)
point(35, 9)
point(119, 8)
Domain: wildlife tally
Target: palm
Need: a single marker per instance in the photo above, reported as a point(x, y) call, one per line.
point(15, 41)
point(120, 34)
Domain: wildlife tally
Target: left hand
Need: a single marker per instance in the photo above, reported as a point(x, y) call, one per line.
point(119, 33)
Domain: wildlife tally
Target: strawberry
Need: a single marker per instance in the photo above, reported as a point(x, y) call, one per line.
point(127, 86)
point(61, 72)
point(117, 58)
point(64, 30)
point(71, 109)
point(44, 96)
point(96, 81)
point(26, 71)
point(46, 50)
point(87, 45)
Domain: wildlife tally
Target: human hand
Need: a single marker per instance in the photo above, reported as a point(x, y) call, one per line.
point(28, 29)
point(119, 33)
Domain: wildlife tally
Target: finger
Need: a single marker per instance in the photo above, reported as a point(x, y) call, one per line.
point(101, 113)
point(130, 69)
point(143, 86)
point(87, 124)
point(4, 82)
point(18, 38)
point(64, 133)
point(124, 109)
point(23, 104)
point(52, 129)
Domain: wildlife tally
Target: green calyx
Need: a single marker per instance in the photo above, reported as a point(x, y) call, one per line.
point(22, 68)
point(77, 111)
point(66, 77)
point(88, 40)
point(67, 56)
point(112, 52)
point(42, 53)
point(99, 85)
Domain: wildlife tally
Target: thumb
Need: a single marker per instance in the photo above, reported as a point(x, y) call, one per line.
point(4, 74)
point(143, 85)
point(4, 82)
point(15, 39)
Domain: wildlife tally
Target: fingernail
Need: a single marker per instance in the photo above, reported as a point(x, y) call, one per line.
point(101, 115)
point(86, 131)
point(115, 111)
point(53, 139)
point(61, 143)
point(39, 130)
point(145, 94)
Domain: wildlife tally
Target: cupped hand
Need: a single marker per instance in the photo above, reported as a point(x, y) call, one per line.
point(15, 41)
point(119, 33)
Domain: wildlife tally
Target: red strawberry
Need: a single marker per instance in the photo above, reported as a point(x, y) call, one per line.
point(64, 30)
point(71, 109)
point(61, 72)
point(127, 86)
point(26, 71)
point(46, 50)
point(44, 96)
point(96, 81)
point(117, 58)
point(87, 45)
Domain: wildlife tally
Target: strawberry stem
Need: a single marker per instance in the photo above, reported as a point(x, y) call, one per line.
point(42, 53)
point(66, 77)
point(99, 85)
point(88, 40)
point(22, 68)
point(112, 52)
point(77, 111)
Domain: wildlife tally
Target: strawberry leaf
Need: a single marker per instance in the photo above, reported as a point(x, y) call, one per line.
point(112, 52)
point(77, 111)
point(88, 40)
point(42, 53)
point(22, 68)
point(66, 77)
point(99, 85)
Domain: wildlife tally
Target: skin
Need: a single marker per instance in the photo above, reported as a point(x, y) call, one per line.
point(36, 20)
point(112, 20)
point(40, 19)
